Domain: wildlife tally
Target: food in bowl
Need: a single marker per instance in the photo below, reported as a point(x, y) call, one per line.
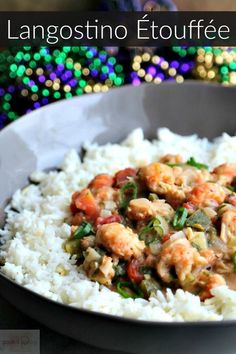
point(141, 229)
point(167, 224)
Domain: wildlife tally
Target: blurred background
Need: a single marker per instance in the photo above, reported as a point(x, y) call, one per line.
point(34, 77)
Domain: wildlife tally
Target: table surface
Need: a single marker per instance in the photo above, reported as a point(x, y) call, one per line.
point(50, 341)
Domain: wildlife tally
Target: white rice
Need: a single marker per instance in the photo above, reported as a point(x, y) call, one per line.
point(34, 234)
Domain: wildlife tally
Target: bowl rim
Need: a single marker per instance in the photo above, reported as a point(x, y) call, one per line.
point(116, 318)
point(190, 82)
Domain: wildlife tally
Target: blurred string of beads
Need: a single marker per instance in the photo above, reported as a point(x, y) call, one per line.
point(33, 77)
point(216, 64)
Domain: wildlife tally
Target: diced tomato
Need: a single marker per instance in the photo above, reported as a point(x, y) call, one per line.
point(85, 201)
point(73, 207)
point(167, 237)
point(102, 180)
point(133, 271)
point(189, 206)
point(232, 200)
point(108, 220)
point(121, 176)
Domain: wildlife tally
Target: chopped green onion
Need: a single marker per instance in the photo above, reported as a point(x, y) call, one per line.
point(150, 226)
point(157, 226)
point(174, 164)
point(152, 197)
point(84, 229)
point(153, 225)
point(128, 289)
point(234, 261)
point(194, 163)
point(221, 206)
point(199, 220)
point(130, 187)
point(150, 286)
point(120, 269)
point(231, 188)
point(148, 239)
point(180, 218)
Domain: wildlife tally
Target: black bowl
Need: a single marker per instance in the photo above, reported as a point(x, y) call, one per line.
point(40, 140)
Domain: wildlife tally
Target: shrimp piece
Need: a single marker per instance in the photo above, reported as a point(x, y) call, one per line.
point(158, 177)
point(98, 268)
point(140, 209)
point(175, 195)
point(172, 159)
point(107, 271)
point(226, 172)
point(224, 266)
point(163, 209)
point(207, 281)
point(181, 255)
point(209, 255)
point(228, 226)
point(188, 176)
point(104, 194)
point(143, 209)
point(120, 240)
point(207, 195)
